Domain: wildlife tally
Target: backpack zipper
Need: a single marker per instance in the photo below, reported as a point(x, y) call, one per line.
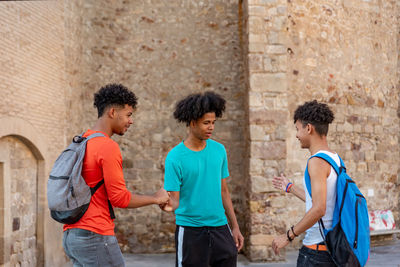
point(72, 191)
point(356, 235)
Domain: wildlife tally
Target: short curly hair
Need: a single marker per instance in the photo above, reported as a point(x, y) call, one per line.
point(113, 95)
point(317, 114)
point(194, 106)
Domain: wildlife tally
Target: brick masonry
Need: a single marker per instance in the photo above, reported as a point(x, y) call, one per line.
point(264, 56)
point(303, 50)
point(163, 51)
point(32, 85)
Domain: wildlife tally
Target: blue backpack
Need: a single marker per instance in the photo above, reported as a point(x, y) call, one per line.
point(348, 241)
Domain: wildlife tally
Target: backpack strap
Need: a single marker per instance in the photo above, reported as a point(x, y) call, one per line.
point(337, 169)
point(97, 186)
point(94, 135)
point(328, 159)
point(80, 138)
point(110, 207)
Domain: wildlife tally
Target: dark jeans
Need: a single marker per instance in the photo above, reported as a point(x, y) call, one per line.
point(89, 249)
point(309, 258)
point(205, 246)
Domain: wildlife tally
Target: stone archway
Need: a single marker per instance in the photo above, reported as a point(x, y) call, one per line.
point(19, 224)
point(22, 193)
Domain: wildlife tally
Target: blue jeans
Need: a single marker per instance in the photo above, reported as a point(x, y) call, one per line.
point(87, 249)
point(309, 258)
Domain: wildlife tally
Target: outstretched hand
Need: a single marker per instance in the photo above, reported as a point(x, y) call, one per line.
point(161, 196)
point(167, 206)
point(280, 182)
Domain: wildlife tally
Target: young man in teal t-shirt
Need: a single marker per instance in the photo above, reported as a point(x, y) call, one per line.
point(195, 177)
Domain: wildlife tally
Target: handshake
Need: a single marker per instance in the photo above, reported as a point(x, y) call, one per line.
point(164, 200)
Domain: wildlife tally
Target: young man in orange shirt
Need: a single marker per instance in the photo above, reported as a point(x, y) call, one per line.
point(91, 241)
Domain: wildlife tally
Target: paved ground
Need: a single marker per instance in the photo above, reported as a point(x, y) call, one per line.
point(381, 256)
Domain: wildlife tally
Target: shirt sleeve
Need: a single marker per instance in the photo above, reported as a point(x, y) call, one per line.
point(224, 169)
point(173, 175)
point(111, 163)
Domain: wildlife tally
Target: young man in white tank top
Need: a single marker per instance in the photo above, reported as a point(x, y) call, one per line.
point(312, 121)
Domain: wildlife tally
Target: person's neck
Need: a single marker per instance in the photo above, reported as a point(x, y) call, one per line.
point(319, 143)
point(194, 143)
point(102, 126)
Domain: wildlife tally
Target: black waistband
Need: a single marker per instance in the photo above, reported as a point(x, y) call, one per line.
point(204, 227)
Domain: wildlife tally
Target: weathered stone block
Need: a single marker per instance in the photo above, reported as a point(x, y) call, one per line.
point(260, 184)
point(255, 62)
point(256, 166)
point(256, 47)
point(268, 67)
point(261, 239)
point(268, 150)
point(255, 99)
point(254, 206)
point(267, 117)
point(369, 128)
point(257, 11)
point(278, 202)
point(275, 49)
point(256, 25)
point(268, 82)
point(257, 133)
point(257, 38)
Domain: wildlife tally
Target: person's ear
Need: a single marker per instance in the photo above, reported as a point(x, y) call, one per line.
point(309, 128)
point(111, 112)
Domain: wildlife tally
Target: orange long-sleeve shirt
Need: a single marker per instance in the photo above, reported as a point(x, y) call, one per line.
point(102, 160)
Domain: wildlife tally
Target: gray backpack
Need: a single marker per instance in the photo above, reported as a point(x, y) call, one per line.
point(68, 194)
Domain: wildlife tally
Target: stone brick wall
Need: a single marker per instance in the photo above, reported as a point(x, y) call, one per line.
point(163, 51)
point(264, 56)
point(398, 90)
point(32, 66)
point(75, 68)
point(23, 170)
point(343, 54)
point(32, 85)
point(268, 113)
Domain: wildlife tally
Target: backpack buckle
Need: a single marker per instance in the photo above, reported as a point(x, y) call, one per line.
point(78, 139)
point(341, 168)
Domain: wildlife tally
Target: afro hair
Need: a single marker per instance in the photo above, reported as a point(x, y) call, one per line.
point(195, 106)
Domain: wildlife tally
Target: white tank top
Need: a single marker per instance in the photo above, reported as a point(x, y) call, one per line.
point(313, 235)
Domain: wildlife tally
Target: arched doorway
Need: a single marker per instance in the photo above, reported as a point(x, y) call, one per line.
point(22, 194)
point(20, 189)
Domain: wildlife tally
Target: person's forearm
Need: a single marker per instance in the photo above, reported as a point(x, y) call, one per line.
point(175, 203)
point(298, 192)
point(141, 200)
point(309, 219)
point(227, 202)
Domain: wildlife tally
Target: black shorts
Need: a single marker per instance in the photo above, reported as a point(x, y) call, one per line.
point(205, 246)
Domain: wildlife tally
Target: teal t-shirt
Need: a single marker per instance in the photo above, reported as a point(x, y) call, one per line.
point(197, 175)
